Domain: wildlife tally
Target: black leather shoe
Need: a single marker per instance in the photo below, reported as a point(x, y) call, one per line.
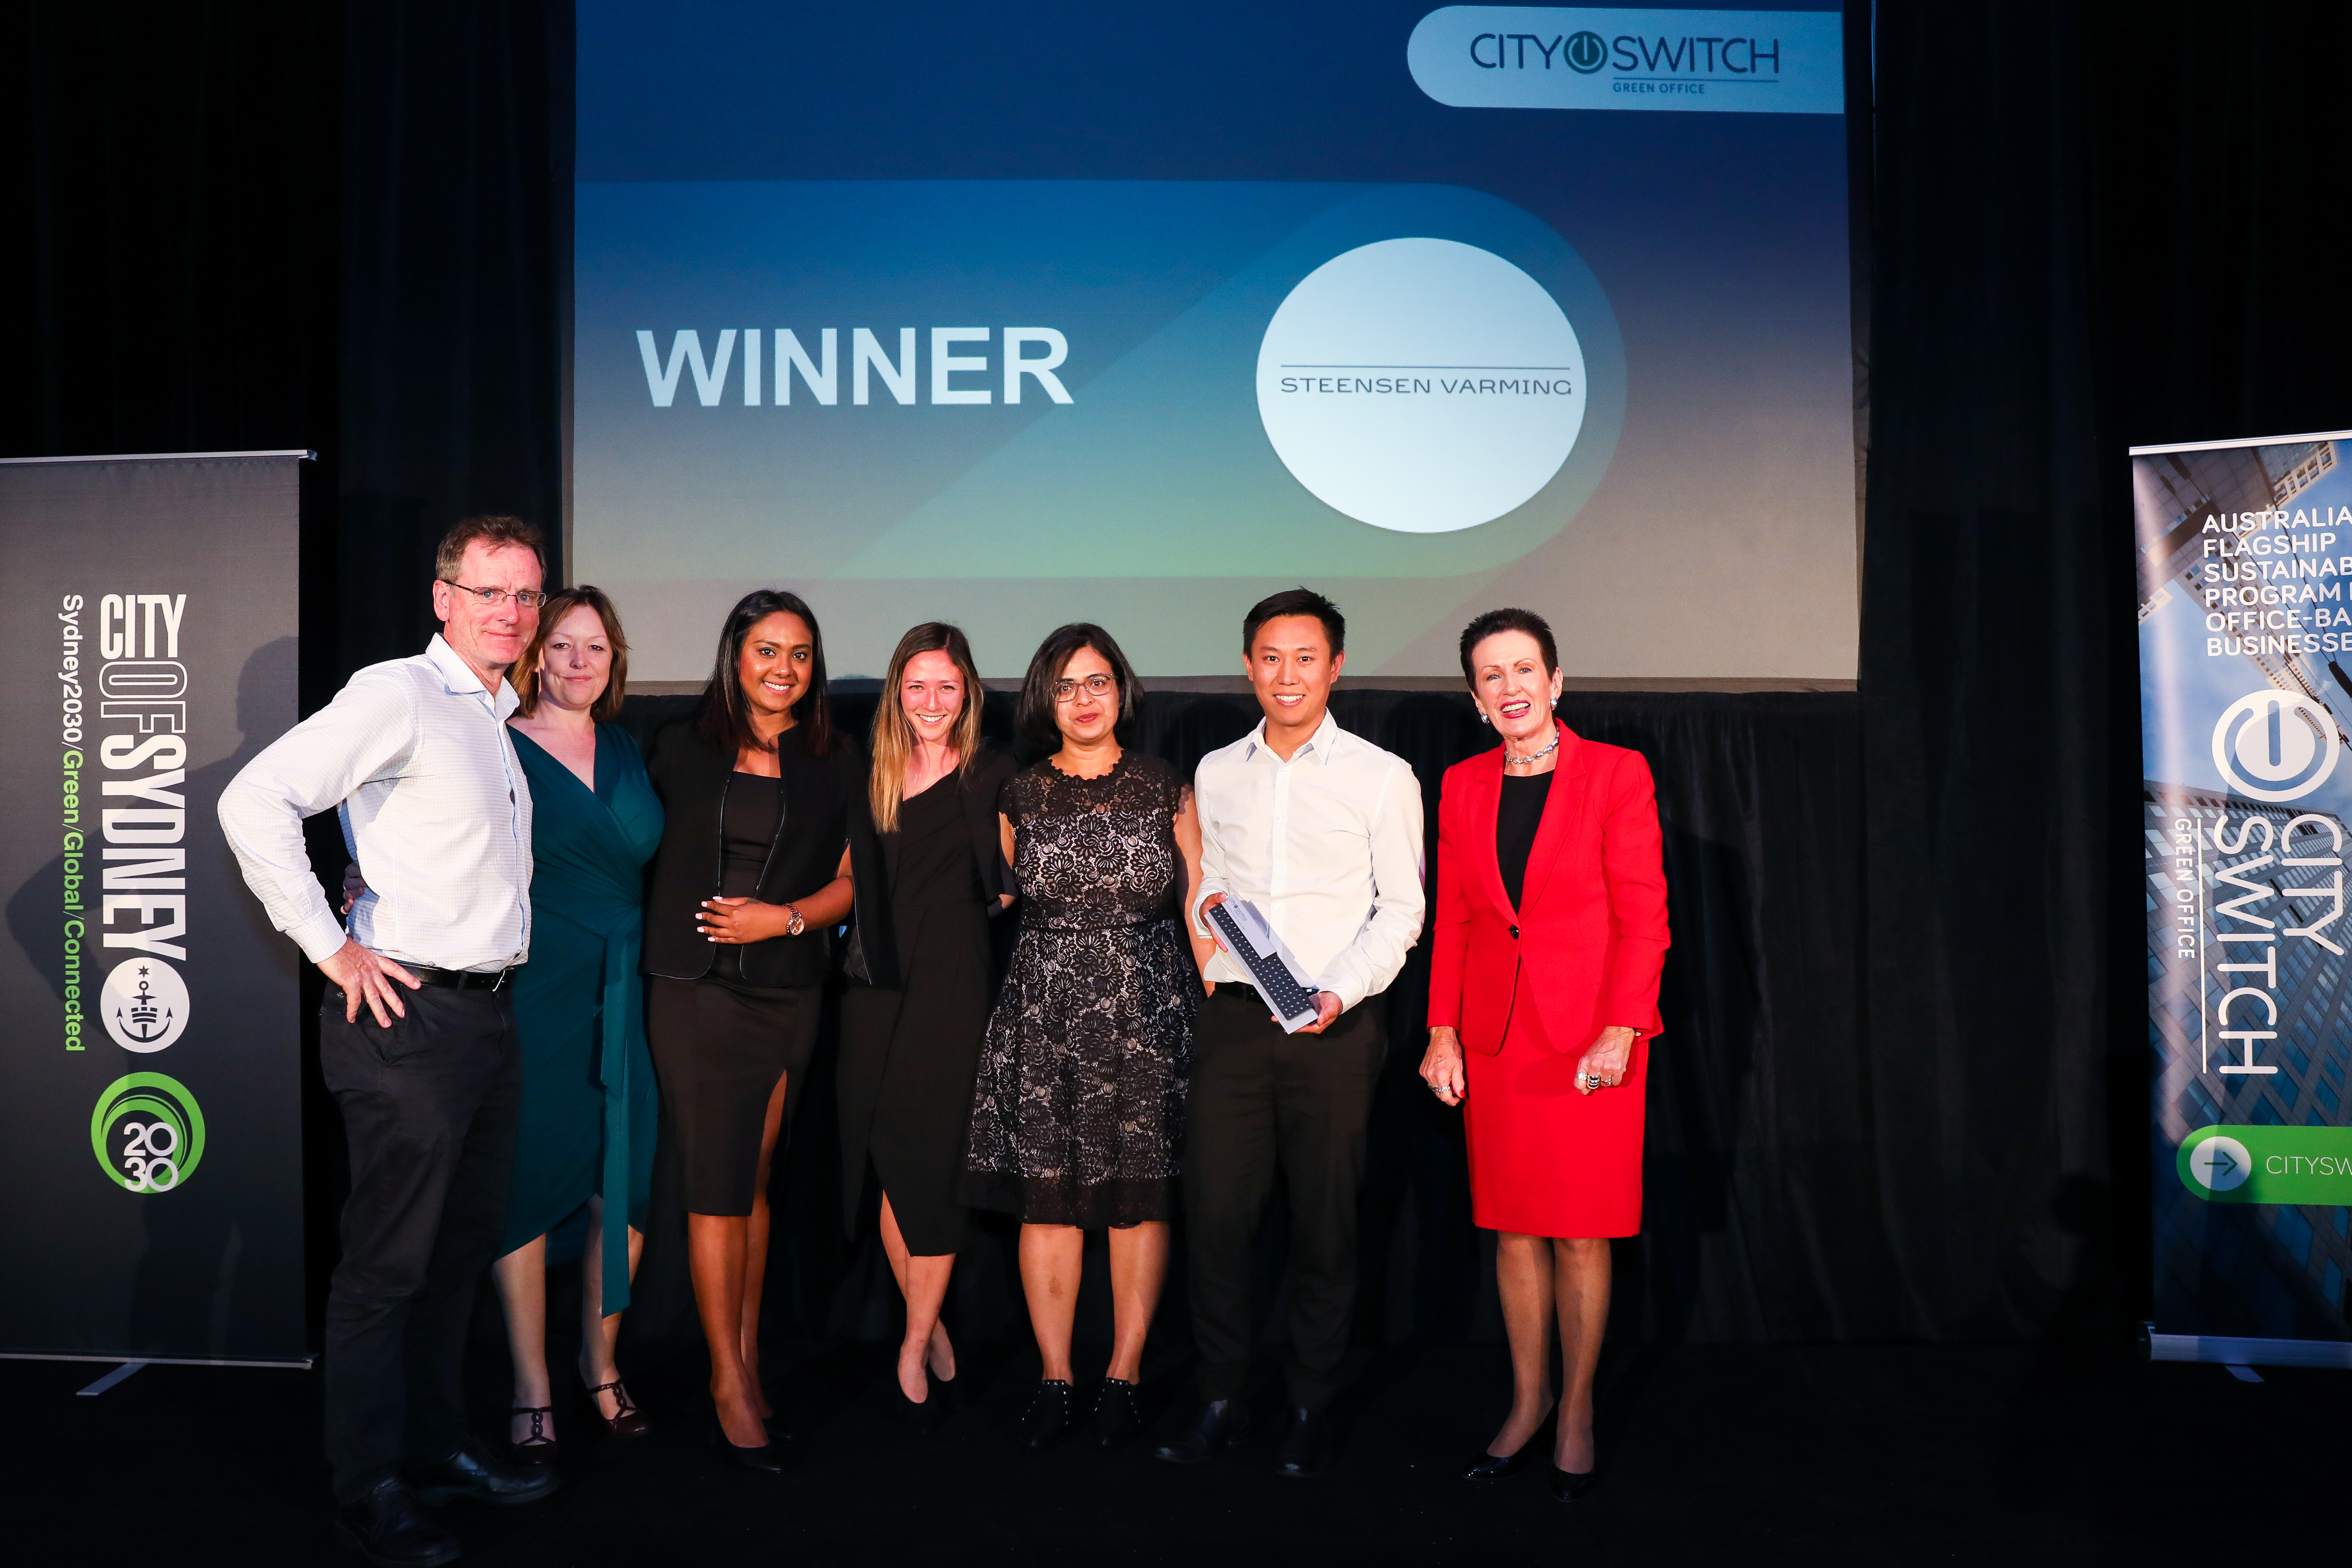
point(1494, 1466)
point(470, 1472)
point(1306, 1450)
point(767, 1458)
point(539, 1449)
point(391, 1531)
point(1567, 1487)
point(1222, 1422)
point(1118, 1418)
point(1047, 1419)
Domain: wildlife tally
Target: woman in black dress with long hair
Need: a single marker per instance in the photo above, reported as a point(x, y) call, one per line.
point(928, 872)
point(751, 874)
point(1077, 1116)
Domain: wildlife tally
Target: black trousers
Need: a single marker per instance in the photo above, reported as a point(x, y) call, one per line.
point(430, 1108)
point(1260, 1096)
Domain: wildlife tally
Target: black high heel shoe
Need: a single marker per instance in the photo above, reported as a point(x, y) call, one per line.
point(1047, 1419)
point(766, 1458)
point(1569, 1486)
point(539, 1448)
point(1494, 1466)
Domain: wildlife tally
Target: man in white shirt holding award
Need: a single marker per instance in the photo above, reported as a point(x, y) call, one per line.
point(416, 1038)
point(1320, 831)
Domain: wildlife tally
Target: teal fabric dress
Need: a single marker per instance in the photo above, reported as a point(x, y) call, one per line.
point(590, 1112)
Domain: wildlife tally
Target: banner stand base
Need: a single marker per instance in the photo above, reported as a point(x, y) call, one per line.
point(2232, 1351)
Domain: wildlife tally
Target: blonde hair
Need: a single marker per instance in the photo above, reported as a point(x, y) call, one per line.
point(560, 603)
point(894, 734)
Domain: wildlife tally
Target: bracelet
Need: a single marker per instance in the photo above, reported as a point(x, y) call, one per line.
point(796, 924)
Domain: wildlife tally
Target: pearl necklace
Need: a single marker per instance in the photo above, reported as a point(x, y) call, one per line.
point(1535, 757)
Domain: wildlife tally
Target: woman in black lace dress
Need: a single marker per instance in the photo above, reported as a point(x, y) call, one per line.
point(1079, 1110)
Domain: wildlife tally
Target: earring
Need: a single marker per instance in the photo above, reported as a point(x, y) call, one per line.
point(1482, 715)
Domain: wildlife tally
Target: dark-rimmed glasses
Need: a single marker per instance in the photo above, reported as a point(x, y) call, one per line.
point(524, 599)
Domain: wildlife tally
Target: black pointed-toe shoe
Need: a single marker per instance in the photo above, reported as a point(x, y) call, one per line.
point(1306, 1450)
point(1489, 1466)
point(473, 1474)
point(1569, 1486)
point(391, 1530)
point(1118, 1417)
point(1047, 1419)
point(767, 1458)
point(1222, 1423)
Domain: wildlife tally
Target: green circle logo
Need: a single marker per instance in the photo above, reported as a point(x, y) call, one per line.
point(147, 1132)
point(1586, 53)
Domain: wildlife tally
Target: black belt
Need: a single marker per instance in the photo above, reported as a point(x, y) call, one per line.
point(461, 979)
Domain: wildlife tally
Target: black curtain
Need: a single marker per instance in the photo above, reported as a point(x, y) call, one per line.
point(1905, 1092)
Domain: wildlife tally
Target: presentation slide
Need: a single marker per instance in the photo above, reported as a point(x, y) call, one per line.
point(1021, 314)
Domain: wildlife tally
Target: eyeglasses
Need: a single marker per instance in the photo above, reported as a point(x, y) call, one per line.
point(524, 599)
point(1096, 685)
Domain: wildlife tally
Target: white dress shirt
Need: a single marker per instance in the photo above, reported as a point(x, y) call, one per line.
point(415, 752)
point(1327, 845)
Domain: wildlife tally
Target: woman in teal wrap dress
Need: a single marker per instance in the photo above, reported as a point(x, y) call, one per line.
point(589, 1106)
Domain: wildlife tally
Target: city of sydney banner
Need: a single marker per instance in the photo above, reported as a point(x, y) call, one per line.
point(2244, 557)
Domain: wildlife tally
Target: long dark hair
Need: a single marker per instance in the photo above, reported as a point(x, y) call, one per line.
point(725, 717)
point(1034, 717)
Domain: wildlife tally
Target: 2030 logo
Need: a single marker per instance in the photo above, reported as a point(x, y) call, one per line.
point(159, 1131)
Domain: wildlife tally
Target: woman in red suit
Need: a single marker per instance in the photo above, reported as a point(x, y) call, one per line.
point(1543, 992)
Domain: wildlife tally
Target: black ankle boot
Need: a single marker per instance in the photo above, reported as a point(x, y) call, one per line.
point(1118, 1418)
point(1047, 1419)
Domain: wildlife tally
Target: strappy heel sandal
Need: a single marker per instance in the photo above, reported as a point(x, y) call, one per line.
point(627, 1420)
point(538, 1449)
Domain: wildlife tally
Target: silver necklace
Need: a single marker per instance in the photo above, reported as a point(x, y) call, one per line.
point(1532, 757)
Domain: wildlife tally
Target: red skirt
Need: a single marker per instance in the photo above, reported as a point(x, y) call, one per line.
point(1544, 1159)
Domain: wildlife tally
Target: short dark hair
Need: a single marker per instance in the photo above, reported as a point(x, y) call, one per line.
point(1296, 601)
point(725, 717)
point(1508, 620)
point(554, 608)
point(1035, 715)
point(497, 533)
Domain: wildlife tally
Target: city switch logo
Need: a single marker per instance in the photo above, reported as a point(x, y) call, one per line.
point(2275, 745)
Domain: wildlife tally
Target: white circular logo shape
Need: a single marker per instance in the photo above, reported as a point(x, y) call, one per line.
point(2221, 1163)
point(1421, 385)
point(2275, 745)
point(144, 1004)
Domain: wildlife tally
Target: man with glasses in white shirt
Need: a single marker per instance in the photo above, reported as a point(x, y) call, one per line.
point(1321, 830)
point(415, 754)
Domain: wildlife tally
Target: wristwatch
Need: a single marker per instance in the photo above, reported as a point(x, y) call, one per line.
point(794, 926)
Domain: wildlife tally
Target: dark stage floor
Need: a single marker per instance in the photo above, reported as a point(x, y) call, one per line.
point(1715, 1455)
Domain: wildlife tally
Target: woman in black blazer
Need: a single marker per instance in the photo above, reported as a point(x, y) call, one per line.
point(751, 871)
point(927, 862)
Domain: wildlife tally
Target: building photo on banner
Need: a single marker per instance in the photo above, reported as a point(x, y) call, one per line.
point(2244, 553)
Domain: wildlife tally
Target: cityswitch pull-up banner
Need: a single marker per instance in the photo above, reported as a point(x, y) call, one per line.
point(151, 1180)
point(2245, 638)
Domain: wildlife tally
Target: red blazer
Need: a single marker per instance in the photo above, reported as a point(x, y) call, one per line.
point(1592, 930)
